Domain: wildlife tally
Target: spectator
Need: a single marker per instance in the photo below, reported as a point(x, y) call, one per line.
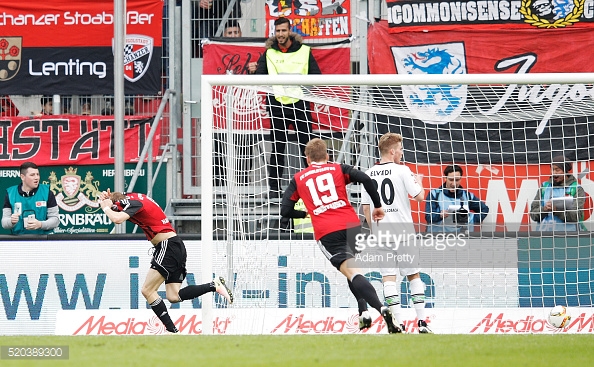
point(207, 15)
point(85, 105)
point(559, 203)
point(47, 105)
point(451, 208)
point(30, 208)
point(109, 107)
point(286, 111)
point(7, 108)
point(232, 30)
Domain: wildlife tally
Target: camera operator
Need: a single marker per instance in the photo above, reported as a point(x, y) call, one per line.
point(451, 208)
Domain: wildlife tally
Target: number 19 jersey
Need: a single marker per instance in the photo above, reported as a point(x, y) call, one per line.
point(323, 190)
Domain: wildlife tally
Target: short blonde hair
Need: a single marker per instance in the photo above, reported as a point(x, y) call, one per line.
point(316, 150)
point(387, 142)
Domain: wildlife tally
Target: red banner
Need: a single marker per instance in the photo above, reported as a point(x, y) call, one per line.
point(483, 50)
point(312, 18)
point(66, 47)
point(251, 114)
point(77, 140)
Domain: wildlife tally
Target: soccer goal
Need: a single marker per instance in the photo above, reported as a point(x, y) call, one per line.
point(504, 132)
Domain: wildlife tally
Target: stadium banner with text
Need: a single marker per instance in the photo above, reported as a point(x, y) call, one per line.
point(446, 14)
point(71, 140)
point(316, 321)
point(66, 47)
point(77, 188)
point(296, 298)
point(80, 282)
point(311, 19)
point(221, 57)
point(480, 51)
point(507, 189)
point(521, 141)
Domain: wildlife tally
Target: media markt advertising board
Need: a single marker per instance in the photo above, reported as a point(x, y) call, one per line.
point(76, 189)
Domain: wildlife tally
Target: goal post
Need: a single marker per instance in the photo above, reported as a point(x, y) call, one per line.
point(503, 130)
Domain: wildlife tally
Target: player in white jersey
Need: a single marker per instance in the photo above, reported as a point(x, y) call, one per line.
point(395, 182)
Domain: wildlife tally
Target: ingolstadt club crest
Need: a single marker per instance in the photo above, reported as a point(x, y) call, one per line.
point(138, 52)
point(72, 192)
point(11, 49)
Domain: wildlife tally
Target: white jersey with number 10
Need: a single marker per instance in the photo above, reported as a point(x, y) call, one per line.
point(394, 184)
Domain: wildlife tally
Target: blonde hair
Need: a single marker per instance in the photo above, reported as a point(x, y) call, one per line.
point(388, 141)
point(316, 150)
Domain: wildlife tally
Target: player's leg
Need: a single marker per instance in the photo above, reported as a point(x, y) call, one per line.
point(153, 281)
point(417, 294)
point(365, 290)
point(364, 316)
point(175, 262)
point(392, 296)
point(175, 294)
point(334, 246)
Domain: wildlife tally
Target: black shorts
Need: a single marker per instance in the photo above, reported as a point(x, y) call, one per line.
point(336, 248)
point(169, 259)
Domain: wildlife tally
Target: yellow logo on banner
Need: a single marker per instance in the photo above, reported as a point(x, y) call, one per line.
point(71, 192)
point(545, 13)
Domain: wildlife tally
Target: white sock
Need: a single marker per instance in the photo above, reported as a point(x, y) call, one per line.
point(393, 300)
point(417, 294)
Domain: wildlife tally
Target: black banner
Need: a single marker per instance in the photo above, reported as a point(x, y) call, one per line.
point(59, 47)
point(81, 70)
point(492, 142)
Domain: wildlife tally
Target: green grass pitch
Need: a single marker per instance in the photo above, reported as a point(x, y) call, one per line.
point(314, 350)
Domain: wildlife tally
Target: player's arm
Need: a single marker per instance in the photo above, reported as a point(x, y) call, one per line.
point(361, 177)
point(290, 197)
point(417, 186)
point(354, 175)
point(366, 204)
point(367, 213)
point(115, 216)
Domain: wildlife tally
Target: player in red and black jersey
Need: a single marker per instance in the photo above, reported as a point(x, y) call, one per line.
point(322, 187)
point(169, 258)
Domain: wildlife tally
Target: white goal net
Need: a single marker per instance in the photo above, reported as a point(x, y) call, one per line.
point(505, 133)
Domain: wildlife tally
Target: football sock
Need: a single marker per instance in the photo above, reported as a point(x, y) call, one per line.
point(361, 303)
point(193, 291)
point(366, 291)
point(417, 294)
point(160, 310)
point(393, 300)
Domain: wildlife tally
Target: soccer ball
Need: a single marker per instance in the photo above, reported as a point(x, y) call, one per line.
point(558, 317)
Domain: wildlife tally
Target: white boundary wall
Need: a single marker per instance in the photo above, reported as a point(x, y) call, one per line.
point(39, 279)
point(319, 321)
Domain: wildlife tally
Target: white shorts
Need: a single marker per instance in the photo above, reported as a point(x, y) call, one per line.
point(404, 261)
point(402, 271)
